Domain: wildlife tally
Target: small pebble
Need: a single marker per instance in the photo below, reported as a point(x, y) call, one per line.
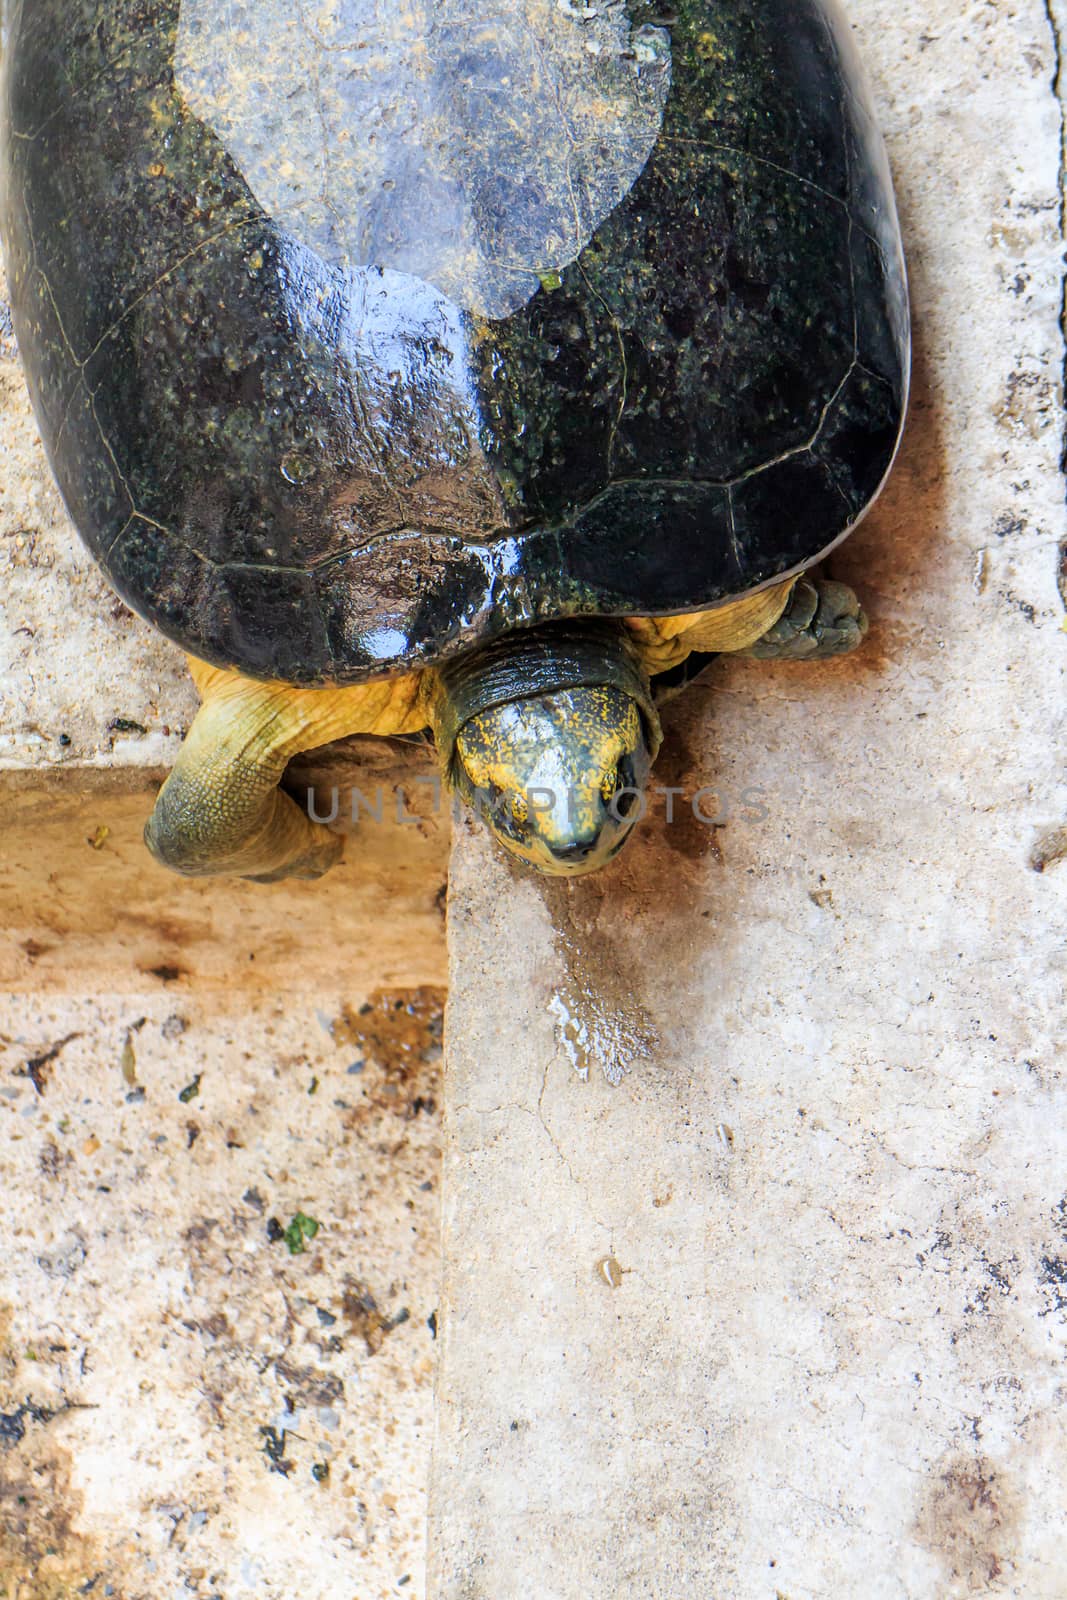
point(609, 1271)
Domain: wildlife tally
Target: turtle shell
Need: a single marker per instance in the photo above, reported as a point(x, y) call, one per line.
point(361, 333)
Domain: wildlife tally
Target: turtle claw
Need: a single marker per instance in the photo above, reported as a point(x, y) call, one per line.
point(822, 619)
point(308, 868)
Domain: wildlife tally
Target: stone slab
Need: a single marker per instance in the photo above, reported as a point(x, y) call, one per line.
point(781, 1314)
point(186, 1407)
point(85, 910)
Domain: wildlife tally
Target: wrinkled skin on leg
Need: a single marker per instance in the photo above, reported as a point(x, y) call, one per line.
point(221, 811)
point(822, 619)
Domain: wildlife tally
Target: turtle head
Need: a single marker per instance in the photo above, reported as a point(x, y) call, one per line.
point(558, 773)
point(558, 778)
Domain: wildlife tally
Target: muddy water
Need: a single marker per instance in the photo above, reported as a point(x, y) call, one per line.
point(601, 1025)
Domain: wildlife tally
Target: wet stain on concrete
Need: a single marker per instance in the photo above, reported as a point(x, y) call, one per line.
point(601, 1023)
point(970, 1520)
point(399, 1033)
point(676, 822)
point(647, 900)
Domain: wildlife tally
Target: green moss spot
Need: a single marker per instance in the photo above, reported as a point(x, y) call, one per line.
point(300, 1229)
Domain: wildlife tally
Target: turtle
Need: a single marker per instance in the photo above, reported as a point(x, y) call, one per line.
point(472, 369)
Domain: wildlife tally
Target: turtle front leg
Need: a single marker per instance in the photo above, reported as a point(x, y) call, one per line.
point(822, 619)
point(221, 812)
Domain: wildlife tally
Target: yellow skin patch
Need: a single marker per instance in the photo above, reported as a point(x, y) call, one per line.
point(221, 810)
point(546, 775)
point(665, 642)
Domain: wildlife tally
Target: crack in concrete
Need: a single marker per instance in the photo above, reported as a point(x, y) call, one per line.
point(538, 1114)
point(556, 1147)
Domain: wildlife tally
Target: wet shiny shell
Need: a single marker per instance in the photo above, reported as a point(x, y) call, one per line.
point(360, 332)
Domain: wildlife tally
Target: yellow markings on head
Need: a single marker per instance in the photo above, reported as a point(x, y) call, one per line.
point(505, 748)
point(544, 772)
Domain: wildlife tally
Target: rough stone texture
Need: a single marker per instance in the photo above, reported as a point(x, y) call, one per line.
point(782, 1315)
point(187, 1409)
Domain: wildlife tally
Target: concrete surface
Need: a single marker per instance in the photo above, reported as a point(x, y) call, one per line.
point(782, 1315)
point(779, 1315)
point(178, 1070)
point(186, 1408)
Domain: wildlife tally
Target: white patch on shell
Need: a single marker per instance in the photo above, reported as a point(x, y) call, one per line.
point(475, 144)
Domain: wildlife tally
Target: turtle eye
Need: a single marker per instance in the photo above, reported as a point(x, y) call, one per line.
point(625, 804)
point(495, 802)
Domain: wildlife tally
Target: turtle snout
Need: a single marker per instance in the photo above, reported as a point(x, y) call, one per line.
point(590, 823)
point(575, 855)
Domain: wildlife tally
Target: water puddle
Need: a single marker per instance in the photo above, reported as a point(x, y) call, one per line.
point(601, 1025)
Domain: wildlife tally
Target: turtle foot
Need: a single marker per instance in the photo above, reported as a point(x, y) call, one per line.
point(308, 868)
point(822, 619)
